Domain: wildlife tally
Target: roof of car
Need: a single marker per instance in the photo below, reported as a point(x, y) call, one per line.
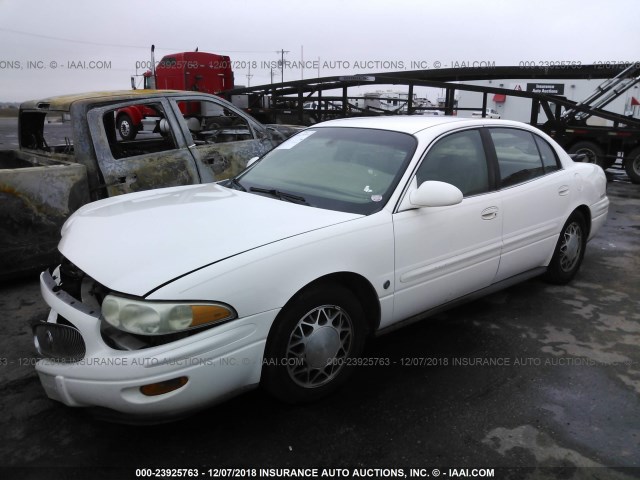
point(407, 123)
point(63, 102)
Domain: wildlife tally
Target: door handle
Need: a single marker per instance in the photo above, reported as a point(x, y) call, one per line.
point(127, 179)
point(489, 213)
point(563, 190)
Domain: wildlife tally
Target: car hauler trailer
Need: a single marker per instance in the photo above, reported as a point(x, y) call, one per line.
point(564, 119)
point(305, 102)
point(602, 144)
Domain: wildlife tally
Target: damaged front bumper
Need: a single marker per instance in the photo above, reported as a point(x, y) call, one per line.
point(82, 370)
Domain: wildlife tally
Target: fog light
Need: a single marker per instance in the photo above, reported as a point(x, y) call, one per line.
point(160, 388)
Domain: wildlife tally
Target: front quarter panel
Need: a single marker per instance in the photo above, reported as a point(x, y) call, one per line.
point(266, 278)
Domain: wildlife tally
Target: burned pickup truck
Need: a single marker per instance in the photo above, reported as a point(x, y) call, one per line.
point(71, 153)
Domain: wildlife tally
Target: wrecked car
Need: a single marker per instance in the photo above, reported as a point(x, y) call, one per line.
point(170, 300)
point(71, 153)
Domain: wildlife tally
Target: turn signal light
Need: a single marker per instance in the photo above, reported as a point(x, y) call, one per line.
point(155, 389)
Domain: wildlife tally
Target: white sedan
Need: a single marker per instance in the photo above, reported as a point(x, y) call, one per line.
point(489, 113)
point(170, 300)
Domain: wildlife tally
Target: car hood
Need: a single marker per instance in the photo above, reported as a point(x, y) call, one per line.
point(137, 242)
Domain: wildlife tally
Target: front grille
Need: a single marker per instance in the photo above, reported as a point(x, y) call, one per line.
point(59, 342)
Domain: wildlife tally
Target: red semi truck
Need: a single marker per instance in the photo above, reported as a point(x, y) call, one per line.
point(193, 71)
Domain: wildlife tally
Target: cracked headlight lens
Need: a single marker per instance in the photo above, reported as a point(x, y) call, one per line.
point(161, 318)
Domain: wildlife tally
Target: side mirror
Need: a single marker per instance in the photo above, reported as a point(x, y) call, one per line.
point(435, 194)
point(164, 126)
point(252, 160)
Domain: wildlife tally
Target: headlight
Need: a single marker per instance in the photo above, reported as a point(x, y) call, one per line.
point(161, 318)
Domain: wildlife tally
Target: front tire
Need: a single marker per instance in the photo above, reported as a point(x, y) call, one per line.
point(632, 165)
point(569, 251)
point(313, 345)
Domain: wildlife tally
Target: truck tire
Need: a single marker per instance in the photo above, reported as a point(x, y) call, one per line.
point(632, 165)
point(126, 128)
point(593, 152)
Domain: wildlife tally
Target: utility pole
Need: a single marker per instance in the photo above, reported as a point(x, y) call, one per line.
point(282, 52)
point(249, 76)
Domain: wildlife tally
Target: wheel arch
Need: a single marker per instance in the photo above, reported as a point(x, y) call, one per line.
point(358, 285)
point(133, 113)
point(586, 214)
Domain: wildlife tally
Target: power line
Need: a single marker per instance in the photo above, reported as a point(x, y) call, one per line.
point(99, 44)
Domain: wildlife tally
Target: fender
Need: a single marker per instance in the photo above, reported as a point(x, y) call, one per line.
point(134, 112)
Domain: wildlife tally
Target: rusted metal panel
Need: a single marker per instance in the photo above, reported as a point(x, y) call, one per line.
point(44, 182)
point(36, 200)
point(64, 102)
point(226, 160)
point(150, 171)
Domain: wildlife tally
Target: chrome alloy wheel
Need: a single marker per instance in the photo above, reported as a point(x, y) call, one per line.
point(319, 346)
point(571, 247)
point(125, 128)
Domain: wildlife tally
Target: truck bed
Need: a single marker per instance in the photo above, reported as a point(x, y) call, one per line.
point(37, 193)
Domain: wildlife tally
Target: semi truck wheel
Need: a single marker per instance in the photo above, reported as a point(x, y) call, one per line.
point(126, 128)
point(632, 165)
point(593, 152)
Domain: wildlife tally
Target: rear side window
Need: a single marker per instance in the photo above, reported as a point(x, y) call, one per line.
point(548, 154)
point(151, 135)
point(457, 159)
point(519, 159)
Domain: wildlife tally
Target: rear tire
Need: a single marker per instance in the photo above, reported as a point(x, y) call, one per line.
point(569, 251)
point(313, 344)
point(632, 165)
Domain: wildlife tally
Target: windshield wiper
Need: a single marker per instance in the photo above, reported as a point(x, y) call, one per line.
point(280, 195)
point(236, 183)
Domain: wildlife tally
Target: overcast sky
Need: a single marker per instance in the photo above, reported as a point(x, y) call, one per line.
point(67, 46)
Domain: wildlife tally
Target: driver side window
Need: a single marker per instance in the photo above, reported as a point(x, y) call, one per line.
point(223, 140)
point(457, 159)
point(212, 123)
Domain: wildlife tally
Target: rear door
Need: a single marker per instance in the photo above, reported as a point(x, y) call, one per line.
point(535, 194)
point(156, 158)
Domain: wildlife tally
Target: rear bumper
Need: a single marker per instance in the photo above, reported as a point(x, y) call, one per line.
point(218, 363)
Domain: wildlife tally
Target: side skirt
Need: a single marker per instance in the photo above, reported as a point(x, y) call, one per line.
point(465, 299)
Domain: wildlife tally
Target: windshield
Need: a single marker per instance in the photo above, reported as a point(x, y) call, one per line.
point(352, 170)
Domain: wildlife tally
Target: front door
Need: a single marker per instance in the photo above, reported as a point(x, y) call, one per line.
point(223, 139)
point(443, 253)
